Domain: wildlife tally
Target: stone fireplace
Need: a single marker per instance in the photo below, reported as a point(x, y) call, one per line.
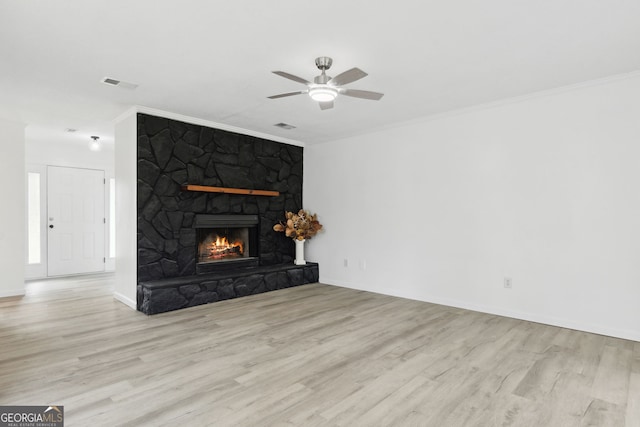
point(200, 247)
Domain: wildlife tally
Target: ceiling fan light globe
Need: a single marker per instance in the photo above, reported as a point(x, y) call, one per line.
point(323, 93)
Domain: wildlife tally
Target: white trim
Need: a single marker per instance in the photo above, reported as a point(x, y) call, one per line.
point(423, 119)
point(204, 122)
point(491, 104)
point(110, 263)
point(125, 114)
point(627, 334)
point(17, 292)
point(125, 300)
point(125, 287)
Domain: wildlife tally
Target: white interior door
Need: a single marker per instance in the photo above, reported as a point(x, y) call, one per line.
point(76, 224)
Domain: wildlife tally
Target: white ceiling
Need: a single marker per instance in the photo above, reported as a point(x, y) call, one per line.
point(213, 60)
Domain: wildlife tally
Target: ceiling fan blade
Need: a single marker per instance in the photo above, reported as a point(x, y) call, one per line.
point(348, 76)
point(292, 77)
point(364, 94)
point(282, 95)
point(326, 105)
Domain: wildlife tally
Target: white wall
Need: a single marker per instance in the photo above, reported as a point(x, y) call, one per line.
point(544, 190)
point(12, 216)
point(70, 154)
point(126, 155)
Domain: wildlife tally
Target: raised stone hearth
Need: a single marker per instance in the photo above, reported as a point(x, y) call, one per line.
point(160, 296)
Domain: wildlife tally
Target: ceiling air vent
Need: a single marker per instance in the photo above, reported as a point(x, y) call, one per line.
point(113, 82)
point(285, 126)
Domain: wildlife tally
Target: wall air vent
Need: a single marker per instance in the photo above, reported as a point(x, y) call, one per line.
point(114, 82)
point(285, 126)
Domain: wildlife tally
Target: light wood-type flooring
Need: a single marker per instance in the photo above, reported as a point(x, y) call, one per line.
point(314, 355)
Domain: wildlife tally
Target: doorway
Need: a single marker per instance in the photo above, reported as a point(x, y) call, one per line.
point(75, 221)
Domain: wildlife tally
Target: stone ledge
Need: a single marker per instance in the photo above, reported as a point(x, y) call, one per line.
point(159, 296)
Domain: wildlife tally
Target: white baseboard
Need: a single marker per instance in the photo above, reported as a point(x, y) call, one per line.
point(627, 334)
point(17, 292)
point(538, 318)
point(125, 300)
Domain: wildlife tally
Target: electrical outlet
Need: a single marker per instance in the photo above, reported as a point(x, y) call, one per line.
point(346, 263)
point(507, 283)
point(363, 264)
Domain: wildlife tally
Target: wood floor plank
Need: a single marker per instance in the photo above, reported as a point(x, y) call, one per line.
point(636, 358)
point(632, 415)
point(313, 355)
point(601, 413)
point(611, 383)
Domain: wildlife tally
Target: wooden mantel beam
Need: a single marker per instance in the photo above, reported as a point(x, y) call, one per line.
point(227, 190)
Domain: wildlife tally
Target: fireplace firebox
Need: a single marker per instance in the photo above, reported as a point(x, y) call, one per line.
point(226, 242)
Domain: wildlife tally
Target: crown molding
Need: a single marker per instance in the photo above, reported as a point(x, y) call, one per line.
point(495, 104)
point(203, 122)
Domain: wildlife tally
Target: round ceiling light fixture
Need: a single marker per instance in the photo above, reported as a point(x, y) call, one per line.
point(323, 93)
point(95, 144)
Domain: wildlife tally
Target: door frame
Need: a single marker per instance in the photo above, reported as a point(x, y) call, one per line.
point(39, 271)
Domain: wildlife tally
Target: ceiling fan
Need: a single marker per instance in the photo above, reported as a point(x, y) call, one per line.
point(325, 89)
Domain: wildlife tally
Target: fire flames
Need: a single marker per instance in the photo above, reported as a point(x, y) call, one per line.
point(223, 248)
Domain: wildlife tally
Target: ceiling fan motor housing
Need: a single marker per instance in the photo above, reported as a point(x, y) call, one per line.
point(324, 62)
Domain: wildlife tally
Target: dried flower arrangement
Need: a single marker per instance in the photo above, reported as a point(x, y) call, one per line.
point(299, 226)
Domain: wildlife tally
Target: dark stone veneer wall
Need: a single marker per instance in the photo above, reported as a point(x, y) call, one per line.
point(173, 153)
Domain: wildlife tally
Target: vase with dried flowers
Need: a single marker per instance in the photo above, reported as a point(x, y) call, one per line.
point(299, 226)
